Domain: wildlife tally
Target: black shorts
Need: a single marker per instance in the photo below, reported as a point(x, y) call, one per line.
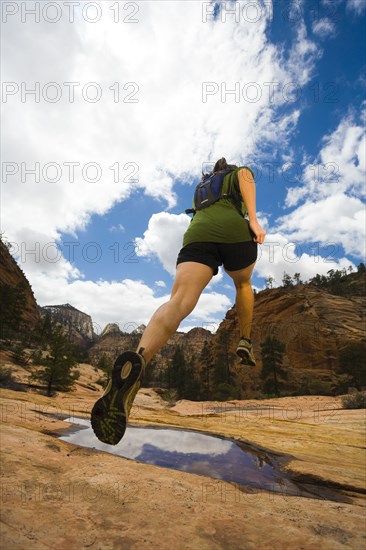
point(234, 256)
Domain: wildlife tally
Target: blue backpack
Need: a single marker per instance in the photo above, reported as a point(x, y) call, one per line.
point(209, 191)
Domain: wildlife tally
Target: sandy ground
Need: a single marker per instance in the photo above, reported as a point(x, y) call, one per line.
point(55, 495)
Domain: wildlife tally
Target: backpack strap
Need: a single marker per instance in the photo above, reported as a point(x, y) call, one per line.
point(234, 196)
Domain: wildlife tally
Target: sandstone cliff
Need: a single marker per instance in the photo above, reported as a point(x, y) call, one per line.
point(313, 324)
point(112, 342)
point(79, 325)
point(13, 283)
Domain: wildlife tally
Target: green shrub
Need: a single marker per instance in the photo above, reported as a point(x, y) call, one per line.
point(356, 400)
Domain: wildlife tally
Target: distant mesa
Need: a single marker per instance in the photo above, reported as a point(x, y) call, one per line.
point(78, 323)
point(110, 328)
point(139, 330)
point(113, 328)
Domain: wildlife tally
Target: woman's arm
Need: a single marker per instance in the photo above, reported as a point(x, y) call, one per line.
point(248, 193)
point(247, 189)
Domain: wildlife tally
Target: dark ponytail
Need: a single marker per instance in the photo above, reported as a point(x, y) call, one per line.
point(220, 164)
point(223, 165)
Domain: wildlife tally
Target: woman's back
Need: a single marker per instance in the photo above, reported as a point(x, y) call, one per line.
point(221, 222)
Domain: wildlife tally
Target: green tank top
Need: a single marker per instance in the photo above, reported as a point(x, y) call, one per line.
point(220, 222)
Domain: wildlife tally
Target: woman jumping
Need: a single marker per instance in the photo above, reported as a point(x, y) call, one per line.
point(219, 234)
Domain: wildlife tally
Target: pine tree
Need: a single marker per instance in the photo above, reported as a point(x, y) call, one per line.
point(151, 376)
point(43, 331)
point(176, 371)
point(19, 355)
point(319, 280)
point(222, 364)
point(272, 372)
point(223, 388)
point(335, 281)
point(13, 302)
point(269, 281)
point(286, 280)
point(191, 387)
point(180, 377)
point(105, 364)
point(207, 361)
point(57, 363)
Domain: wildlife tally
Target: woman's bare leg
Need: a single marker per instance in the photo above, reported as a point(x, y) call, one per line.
point(244, 298)
point(190, 280)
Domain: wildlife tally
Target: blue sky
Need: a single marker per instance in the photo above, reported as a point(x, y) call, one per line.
point(109, 247)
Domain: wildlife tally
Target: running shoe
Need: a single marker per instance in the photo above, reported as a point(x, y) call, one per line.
point(110, 413)
point(245, 351)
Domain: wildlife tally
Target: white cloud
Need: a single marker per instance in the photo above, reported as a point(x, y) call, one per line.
point(356, 6)
point(209, 304)
point(38, 254)
point(160, 284)
point(263, 218)
point(334, 184)
point(167, 134)
point(340, 165)
point(170, 131)
point(337, 219)
point(128, 303)
point(163, 238)
point(331, 215)
point(216, 279)
point(323, 27)
point(277, 255)
point(118, 227)
point(303, 54)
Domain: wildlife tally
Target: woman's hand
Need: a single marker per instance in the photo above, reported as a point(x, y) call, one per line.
point(258, 231)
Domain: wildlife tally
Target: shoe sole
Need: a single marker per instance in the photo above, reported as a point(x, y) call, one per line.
point(109, 414)
point(245, 359)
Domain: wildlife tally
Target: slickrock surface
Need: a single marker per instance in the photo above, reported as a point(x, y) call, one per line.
point(62, 496)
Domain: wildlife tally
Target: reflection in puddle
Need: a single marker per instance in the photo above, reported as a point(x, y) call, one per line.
point(189, 451)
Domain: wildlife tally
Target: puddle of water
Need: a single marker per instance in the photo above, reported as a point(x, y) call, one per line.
point(189, 451)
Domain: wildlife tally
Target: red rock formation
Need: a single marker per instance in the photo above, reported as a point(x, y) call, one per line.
point(313, 324)
point(12, 275)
